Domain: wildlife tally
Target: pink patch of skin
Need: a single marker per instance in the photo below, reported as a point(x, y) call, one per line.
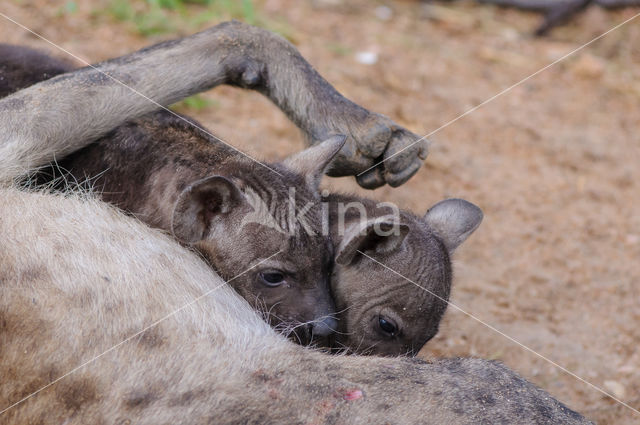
point(353, 395)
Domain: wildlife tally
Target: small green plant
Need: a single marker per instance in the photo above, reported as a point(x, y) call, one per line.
point(194, 103)
point(151, 17)
point(121, 10)
point(69, 8)
point(156, 21)
point(339, 49)
point(249, 12)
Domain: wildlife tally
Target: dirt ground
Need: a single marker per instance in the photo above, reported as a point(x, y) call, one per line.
point(553, 163)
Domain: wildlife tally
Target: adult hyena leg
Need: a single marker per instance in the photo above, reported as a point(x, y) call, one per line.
point(97, 99)
point(275, 68)
point(60, 115)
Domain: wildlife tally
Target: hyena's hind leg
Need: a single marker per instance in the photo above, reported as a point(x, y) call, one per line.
point(230, 53)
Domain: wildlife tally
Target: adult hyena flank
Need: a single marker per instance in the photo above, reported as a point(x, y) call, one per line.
point(78, 278)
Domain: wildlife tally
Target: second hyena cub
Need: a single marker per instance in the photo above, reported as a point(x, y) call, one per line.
point(392, 273)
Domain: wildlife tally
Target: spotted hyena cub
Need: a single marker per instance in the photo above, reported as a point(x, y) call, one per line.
point(176, 177)
point(392, 274)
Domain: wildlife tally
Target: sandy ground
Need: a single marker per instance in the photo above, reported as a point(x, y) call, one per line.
point(553, 163)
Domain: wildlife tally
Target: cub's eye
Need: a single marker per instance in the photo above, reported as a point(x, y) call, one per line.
point(387, 326)
point(272, 279)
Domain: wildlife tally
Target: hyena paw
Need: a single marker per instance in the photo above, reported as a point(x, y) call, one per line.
point(379, 151)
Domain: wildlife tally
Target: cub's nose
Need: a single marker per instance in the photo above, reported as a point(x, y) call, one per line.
point(324, 327)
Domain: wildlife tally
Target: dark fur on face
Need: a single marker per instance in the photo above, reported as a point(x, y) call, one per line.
point(393, 310)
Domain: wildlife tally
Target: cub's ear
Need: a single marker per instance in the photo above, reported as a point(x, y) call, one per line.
point(380, 235)
point(200, 205)
point(453, 220)
point(312, 162)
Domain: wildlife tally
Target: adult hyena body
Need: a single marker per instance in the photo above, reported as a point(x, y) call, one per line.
point(102, 319)
point(78, 278)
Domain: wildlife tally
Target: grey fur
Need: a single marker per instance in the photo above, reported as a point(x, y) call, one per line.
point(306, 162)
point(453, 220)
point(412, 293)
